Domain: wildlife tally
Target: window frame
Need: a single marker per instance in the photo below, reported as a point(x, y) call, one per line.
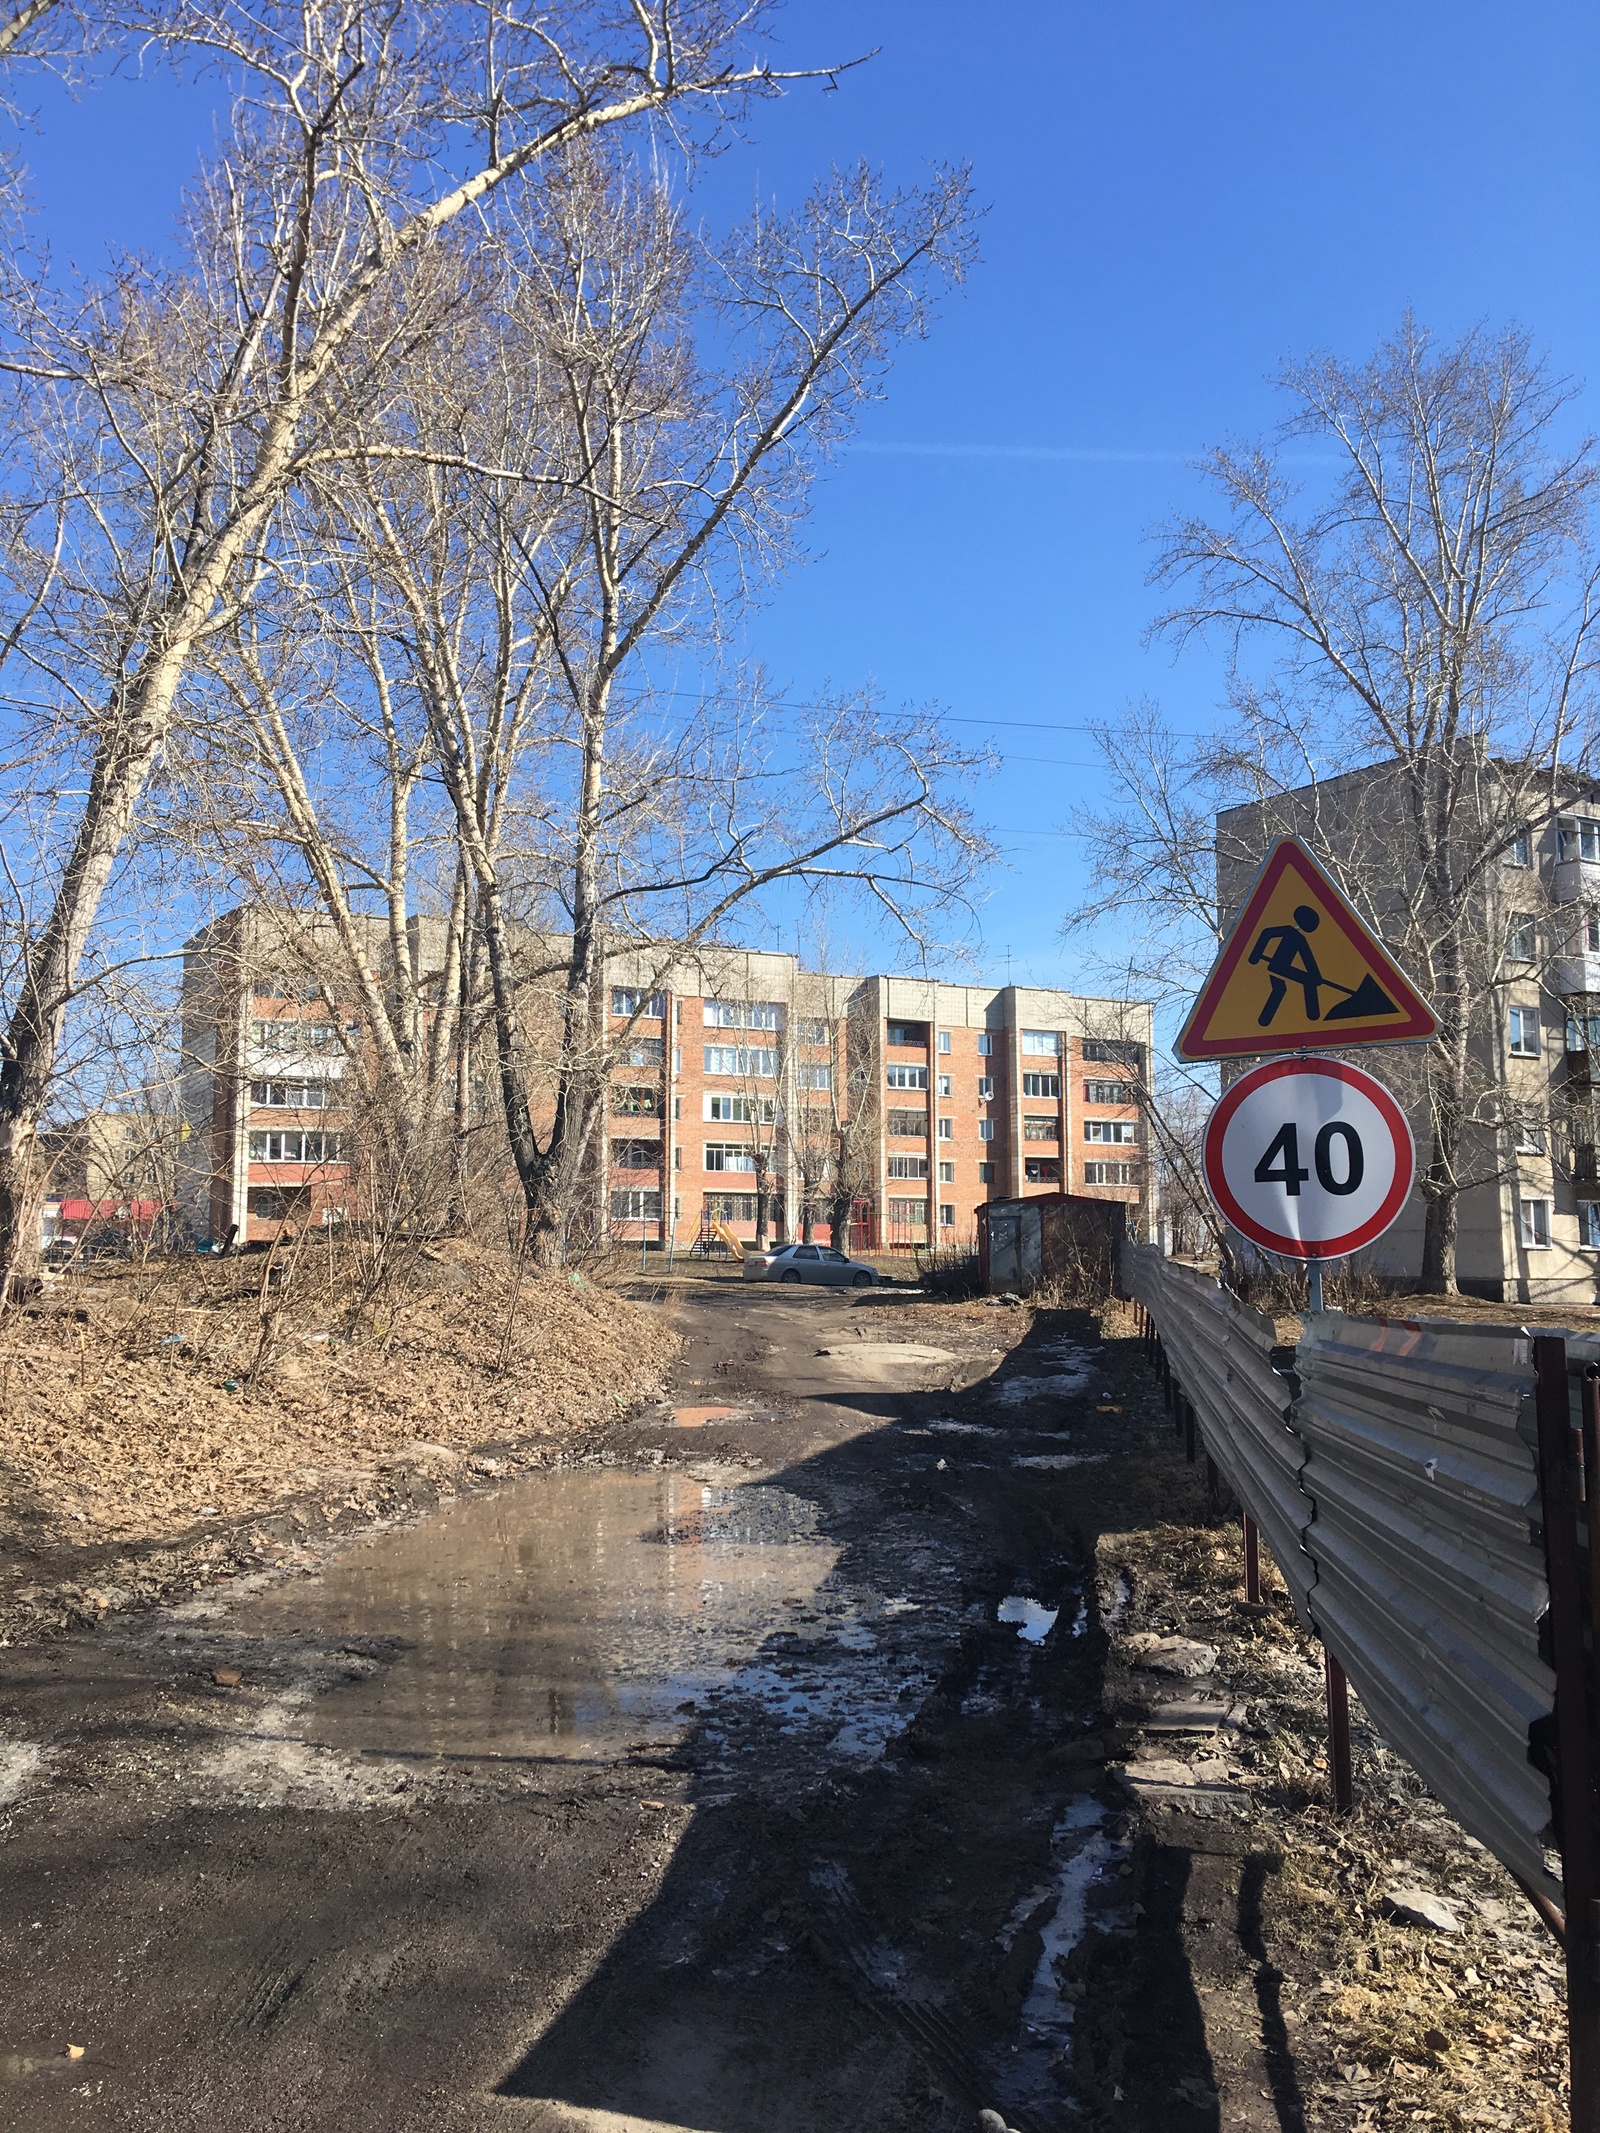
point(1518, 1022)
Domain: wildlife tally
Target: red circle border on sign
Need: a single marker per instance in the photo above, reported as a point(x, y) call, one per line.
point(1335, 1070)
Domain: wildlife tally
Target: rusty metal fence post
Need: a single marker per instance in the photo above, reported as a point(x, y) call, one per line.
point(1559, 1451)
point(1340, 1775)
point(1252, 1562)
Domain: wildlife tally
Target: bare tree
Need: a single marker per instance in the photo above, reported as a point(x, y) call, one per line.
point(1428, 614)
point(169, 413)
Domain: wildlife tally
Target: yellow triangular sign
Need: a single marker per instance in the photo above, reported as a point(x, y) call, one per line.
point(1300, 972)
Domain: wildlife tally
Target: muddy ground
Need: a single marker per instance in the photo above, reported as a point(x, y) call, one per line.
point(786, 1760)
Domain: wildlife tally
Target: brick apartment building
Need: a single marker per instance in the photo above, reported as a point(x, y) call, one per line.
point(733, 1076)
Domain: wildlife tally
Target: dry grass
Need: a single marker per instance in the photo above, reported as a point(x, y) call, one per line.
point(134, 1400)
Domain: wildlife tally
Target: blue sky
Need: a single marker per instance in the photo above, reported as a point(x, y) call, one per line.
point(1178, 196)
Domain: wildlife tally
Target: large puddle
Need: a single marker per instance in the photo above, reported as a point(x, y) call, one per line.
point(566, 1615)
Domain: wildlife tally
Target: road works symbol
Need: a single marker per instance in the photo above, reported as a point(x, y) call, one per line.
point(1300, 972)
point(1308, 1157)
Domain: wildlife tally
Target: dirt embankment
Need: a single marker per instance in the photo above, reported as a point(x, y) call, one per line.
point(165, 1423)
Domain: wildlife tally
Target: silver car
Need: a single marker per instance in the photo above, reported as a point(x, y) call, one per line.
point(808, 1262)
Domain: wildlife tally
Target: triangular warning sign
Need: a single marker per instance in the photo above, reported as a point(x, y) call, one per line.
point(1299, 973)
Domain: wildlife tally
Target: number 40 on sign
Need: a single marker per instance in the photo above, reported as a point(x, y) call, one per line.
point(1309, 1157)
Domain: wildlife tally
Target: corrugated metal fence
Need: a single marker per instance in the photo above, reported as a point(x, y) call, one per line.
point(1392, 1468)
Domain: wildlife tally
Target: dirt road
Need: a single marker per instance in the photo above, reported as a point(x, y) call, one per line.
point(743, 1777)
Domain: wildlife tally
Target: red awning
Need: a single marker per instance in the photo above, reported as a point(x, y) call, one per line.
point(110, 1210)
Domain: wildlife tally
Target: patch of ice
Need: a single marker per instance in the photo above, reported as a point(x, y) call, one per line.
point(1061, 1459)
point(963, 1429)
point(1014, 1392)
point(1080, 1621)
point(20, 1760)
point(1080, 1852)
point(1033, 1619)
point(273, 1765)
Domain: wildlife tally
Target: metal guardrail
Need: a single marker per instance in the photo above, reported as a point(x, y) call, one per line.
point(1222, 1354)
point(1393, 1470)
point(1422, 1477)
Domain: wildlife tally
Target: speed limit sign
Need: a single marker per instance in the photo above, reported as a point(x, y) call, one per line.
point(1309, 1157)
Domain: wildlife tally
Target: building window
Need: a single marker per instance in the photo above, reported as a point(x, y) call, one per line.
point(1113, 1051)
point(1522, 940)
point(728, 1155)
point(907, 1125)
point(908, 1214)
point(1524, 1033)
point(986, 1173)
point(985, 1044)
point(1110, 1174)
point(296, 1036)
point(909, 1033)
point(635, 1155)
point(908, 1166)
point(1519, 852)
point(908, 1077)
point(947, 1173)
point(944, 1040)
point(1530, 1138)
point(677, 1157)
point(641, 1052)
point(1118, 1132)
point(1041, 1128)
point(1109, 1092)
point(633, 1203)
point(986, 1129)
point(985, 1088)
point(631, 1000)
point(806, 1029)
point(730, 1206)
point(1042, 1170)
point(741, 1110)
point(271, 1206)
point(1534, 1224)
point(947, 1129)
point(946, 1086)
point(1041, 1084)
point(1577, 840)
point(1589, 1224)
point(677, 1107)
point(758, 1059)
point(290, 1095)
point(294, 1148)
point(630, 1101)
point(947, 1215)
point(808, 1076)
point(743, 1014)
point(1042, 1041)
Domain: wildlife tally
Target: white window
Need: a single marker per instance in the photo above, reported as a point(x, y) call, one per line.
point(743, 1014)
point(908, 1166)
point(806, 1029)
point(1519, 852)
point(758, 1059)
point(1579, 839)
point(1591, 933)
point(641, 1051)
point(636, 1155)
point(1041, 1084)
point(295, 1036)
point(728, 1155)
point(1530, 1138)
point(1589, 1224)
point(290, 1095)
point(944, 1040)
point(946, 1087)
point(1110, 1174)
point(294, 1148)
point(808, 1076)
point(1117, 1132)
point(947, 1130)
point(985, 1088)
point(947, 1215)
point(985, 1044)
point(740, 1110)
point(1521, 940)
point(986, 1129)
point(1524, 1033)
point(1045, 1127)
point(908, 1077)
point(1534, 1224)
point(947, 1173)
point(634, 1204)
point(909, 1214)
point(986, 1173)
point(1046, 1041)
point(633, 1000)
point(908, 1125)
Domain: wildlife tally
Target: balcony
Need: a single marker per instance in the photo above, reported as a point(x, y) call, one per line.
point(1576, 881)
point(1572, 974)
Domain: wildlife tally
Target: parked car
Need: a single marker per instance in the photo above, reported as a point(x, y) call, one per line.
point(808, 1262)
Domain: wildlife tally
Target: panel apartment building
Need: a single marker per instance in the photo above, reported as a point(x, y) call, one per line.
point(1529, 1224)
point(732, 1075)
